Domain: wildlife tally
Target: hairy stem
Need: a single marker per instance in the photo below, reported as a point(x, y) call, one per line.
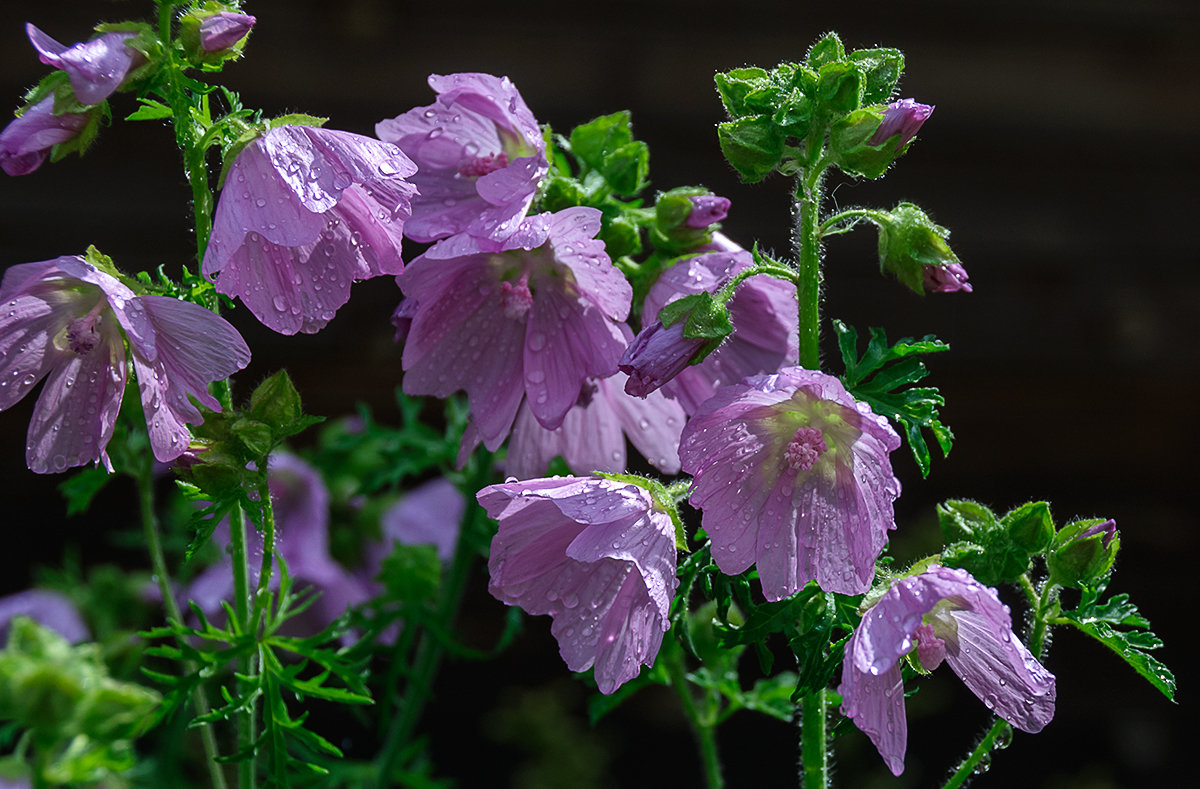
point(806, 245)
point(814, 753)
point(975, 760)
point(703, 722)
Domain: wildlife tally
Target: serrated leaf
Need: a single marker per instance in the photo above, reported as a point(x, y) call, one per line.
point(150, 110)
point(1130, 646)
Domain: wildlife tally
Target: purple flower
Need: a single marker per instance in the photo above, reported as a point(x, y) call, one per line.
point(69, 320)
point(598, 557)
point(428, 515)
point(304, 213)
point(535, 315)
point(763, 312)
point(948, 615)
point(26, 141)
point(222, 30)
point(96, 68)
point(301, 504)
point(946, 279)
point(51, 609)
point(903, 117)
point(592, 434)
point(657, 354)
point(707, 210)
point(793, 473)
point(481, 157)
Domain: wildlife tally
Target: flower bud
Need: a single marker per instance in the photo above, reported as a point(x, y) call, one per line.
point(687, 330)
point(945, 279)
point(903, 118)
point(913, 248)
point(220, 32)
point(28, 139)
point(707, 210)
point(1083, 552)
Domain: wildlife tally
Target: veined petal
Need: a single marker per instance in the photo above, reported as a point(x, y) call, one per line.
point(653, 423)
point(28, 325)
point(876, 703)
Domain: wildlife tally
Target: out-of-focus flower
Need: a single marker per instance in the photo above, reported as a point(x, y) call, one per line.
point(534, 316)
point(51, 609)
point(481, 157)
point(303, 214)
point(598, 557)
point(905, 118)
point(26, 141)
point(221, 31)
point(948, 615)
point(301, 504)
point(95, 68)
point(69, 320)
point(946, 279)
point(763, 312)
point(592, 434)
point(428, 515)
point(792, 473)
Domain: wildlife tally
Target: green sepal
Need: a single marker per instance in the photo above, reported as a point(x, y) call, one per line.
point(607, 146)
point(840, 88)
point(1077, 561)
point(908, 241)
point(276, 403)
point(1030, 526)
point(705, 318)
point(621, 234)
point(962, 519)
point(986, 546)
point(736, 85)
point(189, 38)
point(828, 49)
point(881, 69)
point(1101, 620)
point(850, 150)
point(562, 192)
point(754, 146)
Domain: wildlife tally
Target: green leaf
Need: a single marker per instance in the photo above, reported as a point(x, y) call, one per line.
point(881, 70)
point(80, 488)
point(828, 49)
point(1098, 620)
point(734, 86)
point(754, 146)
point(150, 110)
point(840, 87)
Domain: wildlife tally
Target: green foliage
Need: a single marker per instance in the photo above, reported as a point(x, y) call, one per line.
point(1080, 559)
point(704, 318)
point(606, 145)
point(1133, 642)
point(882, 378)
point(994, 550)
point(908, 242)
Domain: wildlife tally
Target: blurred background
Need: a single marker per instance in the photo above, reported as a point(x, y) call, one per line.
point(1063, 156)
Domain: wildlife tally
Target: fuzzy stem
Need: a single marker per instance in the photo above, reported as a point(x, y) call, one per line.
point(971, 765)
point(814, 754)
point(150, 526)
point(806, 246)
point(703, 726)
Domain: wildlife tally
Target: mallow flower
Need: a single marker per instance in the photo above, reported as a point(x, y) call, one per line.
point(430, 514)
point(68, 321)
point(944, 614)
point(792, 473)
point(28, 139)
point(220, 31)
point(95, 68)
point(598, 556)
point(46, 607)
point(301, 505)
point(533, 316)
point(304, 213)
point(592, 434)
point(763, 313)
point(945, 279)
point(481, 157)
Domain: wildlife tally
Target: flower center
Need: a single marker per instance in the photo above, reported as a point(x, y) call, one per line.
point(586, 393)
point(482, 165)
point(930, 649)
point(82, 335)
point(805, 448)
point(515, 298)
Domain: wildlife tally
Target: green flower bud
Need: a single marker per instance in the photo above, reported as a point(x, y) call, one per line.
point(1083, 552)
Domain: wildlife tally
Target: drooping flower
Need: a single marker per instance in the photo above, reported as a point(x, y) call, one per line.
point(51, 609)
point(70, 321)
point(95, 68)
point(792, 473)
point(533, 316)
point(947, 615)
point(481, 157)
point(301, 505)
point(27, 140)
point(592, 434)
point(763, 312)
point(221, 31)
point(598, 557)
point(304, 213)
point(945, 279)
point(657, 354)
point(905, 118)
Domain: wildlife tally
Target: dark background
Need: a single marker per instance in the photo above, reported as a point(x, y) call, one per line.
point(1062, 155)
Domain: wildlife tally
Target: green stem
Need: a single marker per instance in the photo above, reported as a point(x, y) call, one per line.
point(430, 648)
point(972, 764)
point(814, 753)
point(703, 725)
point(150, 526)
point(806, 244)
point(851, 213)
